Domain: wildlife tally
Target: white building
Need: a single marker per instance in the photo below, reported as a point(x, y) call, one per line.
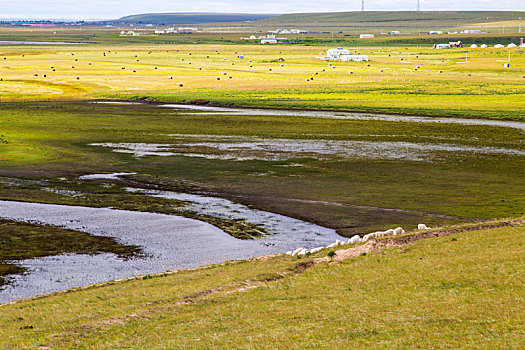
point(159, 31)
point(366, 36)
point(336, 54)
point(354, 58)
point(441, 46)
point(298, 31)
point(268, 41)
point(188, 29)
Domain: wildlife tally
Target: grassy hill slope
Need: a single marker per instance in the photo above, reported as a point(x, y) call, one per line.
point(376, 18)
point(464, 290)
point(190, 18)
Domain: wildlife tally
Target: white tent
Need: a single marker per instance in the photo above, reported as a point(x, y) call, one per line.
point(522, 46)
point(483, 46)
point(354, 58)
point(473, 46)
point(336, 53)
point(511, 46)
point(498, 46)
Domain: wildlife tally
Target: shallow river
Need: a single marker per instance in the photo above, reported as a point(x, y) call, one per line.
point(169, 242)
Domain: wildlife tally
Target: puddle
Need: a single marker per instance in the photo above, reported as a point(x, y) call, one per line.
point(252, 148)
point(280, 228)
point(168, 242)
point(344, 115)
point(123, 103)
point(112, 176)
point(14, 42)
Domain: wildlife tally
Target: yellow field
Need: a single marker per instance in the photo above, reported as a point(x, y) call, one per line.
point(405, 80)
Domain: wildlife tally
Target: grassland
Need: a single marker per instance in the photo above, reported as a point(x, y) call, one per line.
point(43, 140)
point(438, 18)
point(463, 290)
point(444, 84)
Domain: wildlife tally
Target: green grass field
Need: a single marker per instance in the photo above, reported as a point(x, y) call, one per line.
point(50, 140)
point(459, 291)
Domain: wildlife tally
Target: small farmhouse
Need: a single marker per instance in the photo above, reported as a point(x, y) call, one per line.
point(455, 44)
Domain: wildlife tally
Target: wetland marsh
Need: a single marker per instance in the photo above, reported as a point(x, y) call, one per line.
point(347, 174)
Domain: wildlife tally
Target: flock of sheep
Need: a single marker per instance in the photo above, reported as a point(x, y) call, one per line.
point(355, 239)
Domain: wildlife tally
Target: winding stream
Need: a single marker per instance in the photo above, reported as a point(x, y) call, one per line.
point(169, 242)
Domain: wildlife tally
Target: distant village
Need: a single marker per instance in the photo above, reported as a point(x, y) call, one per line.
point(181, 30)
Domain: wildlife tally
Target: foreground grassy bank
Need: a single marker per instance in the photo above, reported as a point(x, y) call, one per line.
point(463, 290)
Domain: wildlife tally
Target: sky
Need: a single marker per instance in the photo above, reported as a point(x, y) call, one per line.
point(110, 9)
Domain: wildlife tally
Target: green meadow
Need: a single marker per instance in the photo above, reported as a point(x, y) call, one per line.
point(457, 291)
point(460, 287)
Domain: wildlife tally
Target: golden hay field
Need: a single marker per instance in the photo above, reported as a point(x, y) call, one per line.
point(408, 80)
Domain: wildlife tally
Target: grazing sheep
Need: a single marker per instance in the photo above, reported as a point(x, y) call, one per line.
point(170, 77)
point(315, 250)
point(369, 236)
point(398, 231)
point(354, 239)
point(422, 227)
point(295, 252)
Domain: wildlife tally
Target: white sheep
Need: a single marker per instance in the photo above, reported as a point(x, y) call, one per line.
point(315, 250)
point(398, 231)
point(295, 252)
point(339, 242)
point(422, 227)
point(304, 251)
point(354, 239)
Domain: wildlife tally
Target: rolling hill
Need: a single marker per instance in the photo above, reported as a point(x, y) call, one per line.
point(192, 18)
point(375, 18)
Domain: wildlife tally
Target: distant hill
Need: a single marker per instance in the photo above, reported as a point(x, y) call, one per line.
point(376, 18)
point(191, 18)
